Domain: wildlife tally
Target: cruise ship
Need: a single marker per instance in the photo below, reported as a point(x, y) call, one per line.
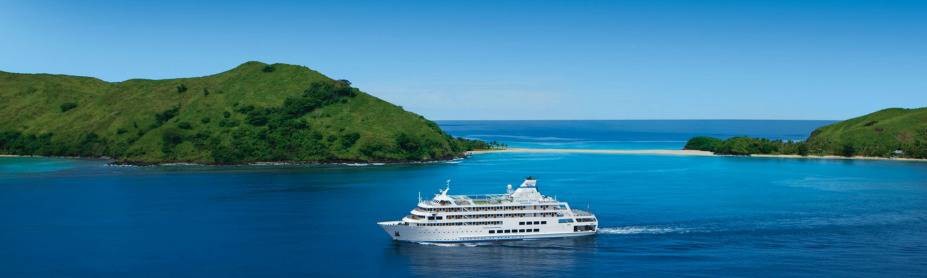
point(518, 214)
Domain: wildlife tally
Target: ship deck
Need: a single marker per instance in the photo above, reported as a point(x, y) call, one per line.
point(487, 199)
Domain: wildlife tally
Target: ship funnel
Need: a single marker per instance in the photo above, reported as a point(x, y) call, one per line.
point(529, 182)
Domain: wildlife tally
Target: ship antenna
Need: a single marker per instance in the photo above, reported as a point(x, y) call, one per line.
point(419, 196)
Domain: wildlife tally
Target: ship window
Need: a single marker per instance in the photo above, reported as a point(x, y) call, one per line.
point(543, 222)
point(508, 231)
point(492, 231)
point(537, 222)
point(537, 230)
point(521, 223)
point(521, 231)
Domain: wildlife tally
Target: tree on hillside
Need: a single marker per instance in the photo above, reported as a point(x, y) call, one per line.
point(848, 150)
point(803, 149)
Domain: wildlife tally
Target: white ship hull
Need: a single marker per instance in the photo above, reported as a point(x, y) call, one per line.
point(451, 234)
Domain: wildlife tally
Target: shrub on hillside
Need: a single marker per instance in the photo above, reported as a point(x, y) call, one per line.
point(348, 140)
point(166, 115)
point(228, 123)
point(68, 106)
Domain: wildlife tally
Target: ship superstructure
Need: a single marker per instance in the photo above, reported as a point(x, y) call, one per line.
point(522, 213)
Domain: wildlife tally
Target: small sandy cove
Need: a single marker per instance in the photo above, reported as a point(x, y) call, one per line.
point(682, 152)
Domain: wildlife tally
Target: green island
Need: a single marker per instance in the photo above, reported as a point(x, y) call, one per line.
point(255, 112)
point(893, 132)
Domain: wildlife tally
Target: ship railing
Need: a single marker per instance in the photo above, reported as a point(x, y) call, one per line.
point(478, 209)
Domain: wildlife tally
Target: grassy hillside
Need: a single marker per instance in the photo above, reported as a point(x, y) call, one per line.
point(877, 134)
point(254, 112)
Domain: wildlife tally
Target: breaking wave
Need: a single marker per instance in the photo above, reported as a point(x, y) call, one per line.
point(633, 230)
point(468, 244)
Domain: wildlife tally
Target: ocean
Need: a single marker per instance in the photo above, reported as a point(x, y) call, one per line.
point(659, 215)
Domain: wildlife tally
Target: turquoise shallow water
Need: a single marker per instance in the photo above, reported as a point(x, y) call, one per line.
point(630, 134)
point(660, 216)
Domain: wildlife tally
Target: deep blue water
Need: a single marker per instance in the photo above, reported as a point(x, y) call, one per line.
point(660, 215)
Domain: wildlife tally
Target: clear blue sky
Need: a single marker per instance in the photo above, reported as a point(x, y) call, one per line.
point(512, 59)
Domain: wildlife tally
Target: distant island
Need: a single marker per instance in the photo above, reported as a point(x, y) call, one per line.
point(889, 133)
point(255, 112)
